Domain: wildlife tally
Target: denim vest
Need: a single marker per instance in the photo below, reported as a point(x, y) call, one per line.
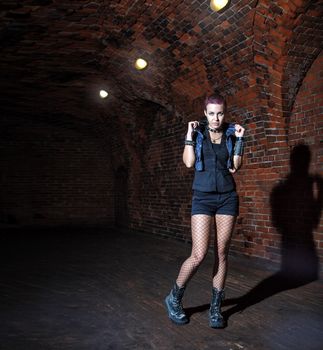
point(212, 174)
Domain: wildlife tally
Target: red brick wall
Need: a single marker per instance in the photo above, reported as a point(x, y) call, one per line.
point(149, 146)
point(306, 127)
point(258, 232)
point(159, 196)
point(53, 175)
point(125, 163)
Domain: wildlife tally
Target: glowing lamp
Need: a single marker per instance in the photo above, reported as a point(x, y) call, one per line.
point(103, 94)
point(217, 5)
point(141, 64)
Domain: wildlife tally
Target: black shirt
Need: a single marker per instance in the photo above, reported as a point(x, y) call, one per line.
point(215, 177)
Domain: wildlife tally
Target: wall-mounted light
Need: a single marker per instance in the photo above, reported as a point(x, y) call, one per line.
point(141, 64)
point(103, 94)
point(217, 5)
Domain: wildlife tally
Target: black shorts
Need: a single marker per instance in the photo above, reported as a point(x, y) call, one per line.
point(211, 203)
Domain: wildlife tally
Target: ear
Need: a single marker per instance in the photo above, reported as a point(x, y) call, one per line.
point(205, 113)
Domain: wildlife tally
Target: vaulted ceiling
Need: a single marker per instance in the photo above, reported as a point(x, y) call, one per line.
point(57, 55)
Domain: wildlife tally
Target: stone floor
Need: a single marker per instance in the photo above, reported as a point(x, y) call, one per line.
point(104, 289)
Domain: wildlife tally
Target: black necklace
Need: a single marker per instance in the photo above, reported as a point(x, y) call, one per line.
point(213, 130)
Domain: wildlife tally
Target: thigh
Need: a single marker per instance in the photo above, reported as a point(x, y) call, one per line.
point(224, 228)
point(201, 225)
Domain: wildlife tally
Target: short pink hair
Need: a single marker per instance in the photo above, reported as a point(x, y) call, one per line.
point(216, 99)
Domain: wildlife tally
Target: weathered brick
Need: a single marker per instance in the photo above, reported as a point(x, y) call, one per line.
point(263, 55)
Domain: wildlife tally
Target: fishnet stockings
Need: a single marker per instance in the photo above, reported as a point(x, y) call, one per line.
point(201, 225)
point(200, 241)
point(224, 227)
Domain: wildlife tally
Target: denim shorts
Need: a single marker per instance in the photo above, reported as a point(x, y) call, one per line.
point(211, 203)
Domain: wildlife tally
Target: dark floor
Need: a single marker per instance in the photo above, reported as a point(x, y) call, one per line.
point(104, 289)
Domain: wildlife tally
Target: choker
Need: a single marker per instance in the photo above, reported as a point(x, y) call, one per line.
point(214, 130)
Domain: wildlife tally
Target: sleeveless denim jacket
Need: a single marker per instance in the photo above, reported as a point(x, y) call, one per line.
point(210, 175)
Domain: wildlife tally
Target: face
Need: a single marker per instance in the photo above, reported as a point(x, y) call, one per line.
point(215, 115)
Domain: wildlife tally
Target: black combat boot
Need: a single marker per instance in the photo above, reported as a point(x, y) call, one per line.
point(173, 303)
point(216, 319)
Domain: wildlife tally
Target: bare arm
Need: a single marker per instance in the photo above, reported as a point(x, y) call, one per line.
point(188, 153)
point(237, 162)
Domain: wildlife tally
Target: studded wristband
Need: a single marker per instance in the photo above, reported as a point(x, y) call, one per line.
point(189, 143)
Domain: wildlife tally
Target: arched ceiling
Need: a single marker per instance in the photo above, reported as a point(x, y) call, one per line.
point(56, 55)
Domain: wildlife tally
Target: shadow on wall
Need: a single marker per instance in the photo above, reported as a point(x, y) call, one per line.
point(296, 205)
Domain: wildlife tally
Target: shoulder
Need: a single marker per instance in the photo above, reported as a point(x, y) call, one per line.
point(203, 124)
point(201, 129)
point(229, 130)
point(229, 127)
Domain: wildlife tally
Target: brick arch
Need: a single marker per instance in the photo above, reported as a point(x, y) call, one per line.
point(281, 30)
point(304, 125)
point(302, 49)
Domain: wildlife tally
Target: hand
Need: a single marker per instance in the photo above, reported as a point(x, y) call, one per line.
point(191, 126)
point(239, 130)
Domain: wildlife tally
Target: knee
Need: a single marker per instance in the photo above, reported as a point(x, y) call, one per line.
point(198, 258)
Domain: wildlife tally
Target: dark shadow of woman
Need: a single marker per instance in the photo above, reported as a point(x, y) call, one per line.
point(296, 205)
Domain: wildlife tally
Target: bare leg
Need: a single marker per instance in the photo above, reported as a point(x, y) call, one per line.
point(200, 241)
point(224, 227)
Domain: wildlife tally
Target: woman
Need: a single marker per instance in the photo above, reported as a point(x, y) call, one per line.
point(215, 149)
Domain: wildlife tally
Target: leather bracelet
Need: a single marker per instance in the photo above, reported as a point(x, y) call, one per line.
point(189, 143)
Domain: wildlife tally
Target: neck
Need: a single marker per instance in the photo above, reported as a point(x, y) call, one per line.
point(214, 130)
